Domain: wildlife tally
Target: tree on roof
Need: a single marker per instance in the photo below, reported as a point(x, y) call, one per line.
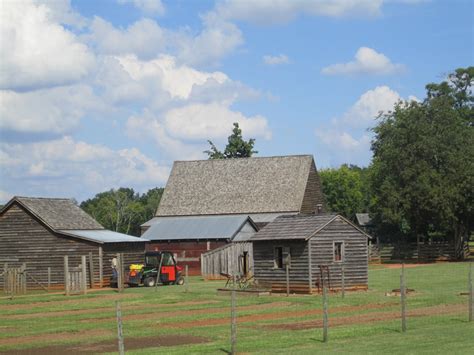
point(236, 147)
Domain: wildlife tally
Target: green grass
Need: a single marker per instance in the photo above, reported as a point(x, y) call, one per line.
point(435, 285)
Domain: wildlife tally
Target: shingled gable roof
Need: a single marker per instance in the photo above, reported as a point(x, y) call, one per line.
point(57, 213)
point(298, 227)
point(237, 186)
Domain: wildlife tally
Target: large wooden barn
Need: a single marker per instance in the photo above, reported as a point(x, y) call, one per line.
point(41, 231)
point(317, 248)
point(262, 188)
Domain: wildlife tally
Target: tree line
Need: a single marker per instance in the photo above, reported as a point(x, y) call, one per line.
point(419, 184)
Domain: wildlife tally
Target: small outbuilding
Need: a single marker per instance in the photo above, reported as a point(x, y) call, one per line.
point(190, 237)
point(41, 231)
point(317, 249)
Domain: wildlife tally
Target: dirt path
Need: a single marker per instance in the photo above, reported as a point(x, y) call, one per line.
point(111, 345)
point(370, 317)
point(53, 314)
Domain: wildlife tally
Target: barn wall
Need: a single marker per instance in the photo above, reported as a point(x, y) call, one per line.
point(187, 252)
point(227, 260)
point(24, 240)
point(313, 194)
point(267, 275)
point(355, 255)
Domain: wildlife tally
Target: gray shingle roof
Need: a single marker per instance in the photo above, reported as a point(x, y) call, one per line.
point(195, 227)
point(233, 186)
point(59, 213)
point(294, 227)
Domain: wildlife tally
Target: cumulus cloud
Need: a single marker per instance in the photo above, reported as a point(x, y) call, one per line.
point(37, 51)
point(276, 59)
point(366, 61)
point(79, 166)
point(151, 7)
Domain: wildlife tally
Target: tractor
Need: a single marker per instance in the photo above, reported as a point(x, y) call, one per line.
point(147, 274)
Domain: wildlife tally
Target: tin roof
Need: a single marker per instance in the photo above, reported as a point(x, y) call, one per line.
point(103, 236)
point(196, 227)
point(363, 219)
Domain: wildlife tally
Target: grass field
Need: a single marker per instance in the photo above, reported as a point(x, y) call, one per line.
point(168, 320)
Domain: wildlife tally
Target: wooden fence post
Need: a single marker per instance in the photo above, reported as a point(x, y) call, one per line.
point(101, 268)
point(343, 280)
point(325, 313)
point(23, 278)
point(287, 280)
point(5, 282)
point(84, 275)
point(119, 272)
point(49, 278)
point(121, 347)
point(91, 269)
point(186, 279)
point(233, 321)
point(471, 292)
point(66, 274)
point(403, 298)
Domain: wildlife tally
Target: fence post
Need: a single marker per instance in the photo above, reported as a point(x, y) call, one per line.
point(325, 313)
point(287, 280)
point(5, 279)
point(49, 278)
point(233, 323)
point(91, 269)
point(121, 347)
point(403, 298)
point(119, 272)
point(343, 280)
point(84, 275)
point(471, 296)
point(66, 274)
point(23, 278)
point(186, 279)
point(101, 267)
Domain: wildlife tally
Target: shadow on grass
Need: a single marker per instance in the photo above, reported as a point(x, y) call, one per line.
point(225, 351)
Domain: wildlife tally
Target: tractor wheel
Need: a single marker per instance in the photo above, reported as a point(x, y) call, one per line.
point(149, 281)
point(180, 281)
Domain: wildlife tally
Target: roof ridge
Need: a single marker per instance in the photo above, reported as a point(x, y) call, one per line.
point(43, 198)
point(246, 158)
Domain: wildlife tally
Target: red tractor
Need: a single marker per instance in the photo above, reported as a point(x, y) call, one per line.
point(159, 266)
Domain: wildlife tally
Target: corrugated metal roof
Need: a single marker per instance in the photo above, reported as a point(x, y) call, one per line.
point(103, 236)
point(363, 219)
point(195, 227)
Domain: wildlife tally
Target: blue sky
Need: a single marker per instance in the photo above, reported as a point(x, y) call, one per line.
point(102, 94)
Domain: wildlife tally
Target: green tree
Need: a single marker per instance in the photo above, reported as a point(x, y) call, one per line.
point(236, 147)
point(422, 174)
point(346, 190)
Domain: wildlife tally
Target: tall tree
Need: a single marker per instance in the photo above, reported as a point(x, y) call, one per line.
point(236, 147)
point(423, 168)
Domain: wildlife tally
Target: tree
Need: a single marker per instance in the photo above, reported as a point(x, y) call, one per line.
point(346, 190)
point(236, 147)
point(422, 174)
point(123, 210)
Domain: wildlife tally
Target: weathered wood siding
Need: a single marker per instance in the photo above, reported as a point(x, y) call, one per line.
point(313, 193)
point(187, 252)
point(226, 259)
point(355, 257)
point(267, 275)
point(23, 239)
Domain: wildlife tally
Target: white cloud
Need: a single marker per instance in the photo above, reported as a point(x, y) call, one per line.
point(151, 7)
point(80, 166)
point(275, 60)
point(284, 11)
point(212, 121)
point(36, 51)
point(5, 196)
point(367, 61)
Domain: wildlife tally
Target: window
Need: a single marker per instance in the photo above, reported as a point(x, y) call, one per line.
point(338, 251)
point(167, 260)
point(278, 258)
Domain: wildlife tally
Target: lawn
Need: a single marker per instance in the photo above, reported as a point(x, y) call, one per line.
point(168, 320)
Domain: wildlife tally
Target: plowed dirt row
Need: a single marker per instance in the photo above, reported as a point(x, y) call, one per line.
point(82, 335)
point(100, 309)
point(170, 314)
point(270, 316)
point(370, 317)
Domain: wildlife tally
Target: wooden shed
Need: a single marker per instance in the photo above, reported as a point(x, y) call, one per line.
point(319, 248)
point(41, 231)
point(189, 237)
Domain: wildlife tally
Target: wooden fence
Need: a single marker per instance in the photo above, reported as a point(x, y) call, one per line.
point(231, 259)
point(14, 280)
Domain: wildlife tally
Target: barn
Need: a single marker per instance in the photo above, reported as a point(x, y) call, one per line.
point(189, 237)
point(261, 188)
point(41, 231)
point(317, 248)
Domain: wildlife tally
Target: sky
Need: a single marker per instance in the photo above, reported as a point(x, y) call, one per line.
point(104, 94)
